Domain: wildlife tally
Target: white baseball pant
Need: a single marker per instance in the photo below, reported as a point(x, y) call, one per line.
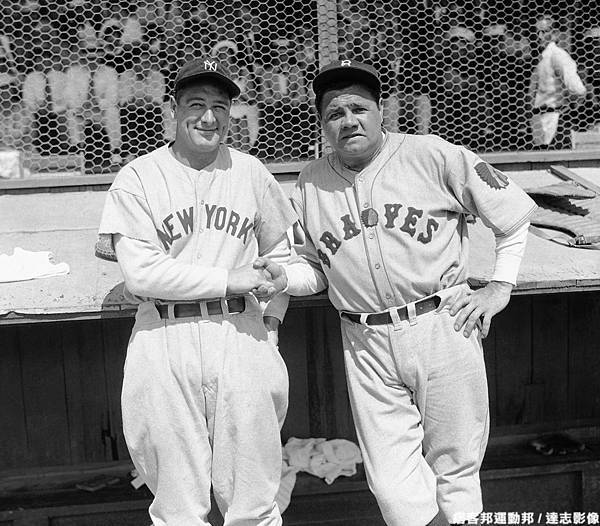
point(203, 404)
point(420, 404)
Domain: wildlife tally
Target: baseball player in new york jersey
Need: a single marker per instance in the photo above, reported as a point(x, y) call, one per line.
point(383, 225)
point(205, 389)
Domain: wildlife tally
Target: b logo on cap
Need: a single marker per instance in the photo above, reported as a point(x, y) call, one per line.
point(346, 62)
point(210, 65)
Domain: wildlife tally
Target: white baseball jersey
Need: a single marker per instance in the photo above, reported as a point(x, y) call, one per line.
point(214, 219)
point(386, 236)
point(204, 397)
point(396, 231)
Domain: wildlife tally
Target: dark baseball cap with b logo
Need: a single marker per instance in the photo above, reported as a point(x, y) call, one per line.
point(209, 69)
point(346, 71)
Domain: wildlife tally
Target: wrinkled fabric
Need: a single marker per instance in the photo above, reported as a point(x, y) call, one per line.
point(23, 265)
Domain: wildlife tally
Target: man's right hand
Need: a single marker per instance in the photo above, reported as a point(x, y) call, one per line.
point(276, 276)
point(246, 279)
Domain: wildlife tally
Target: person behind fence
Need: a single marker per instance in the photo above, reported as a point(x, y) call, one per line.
point(283, 130)
point(383, 225)
point(141, 91)
point(555, 85)
point(455, 92)
point(92, 93)
point(505, 73)
point(44, 96)
point(587, 115)
point(205, 388)
point(15, 132)
point(244, 122)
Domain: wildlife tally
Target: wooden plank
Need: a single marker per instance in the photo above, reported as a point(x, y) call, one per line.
point(328, 402)
point(98, 514)
point(283, 172)
point(513, 360)
point(74, 395)
point(503, 160)
point(12, 422)
point(584, 355)
point(550, 357)
point(591, 489)
point(536, 157)
point(320, 377)
point(56, 181)
point(341, 400)
point(115, 334)
point(22, 319)
point(568, 175)
point(293, 347)
point(538, 494)
point(44, 396)
point(87, 386)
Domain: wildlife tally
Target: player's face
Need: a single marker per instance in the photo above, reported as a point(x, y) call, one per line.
point(545, 31)
point(202, 115)
point(351, 121)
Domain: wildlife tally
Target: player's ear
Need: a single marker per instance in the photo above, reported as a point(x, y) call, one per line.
point(173, 104)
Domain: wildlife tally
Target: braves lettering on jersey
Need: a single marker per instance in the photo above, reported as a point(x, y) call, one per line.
point(402, 219)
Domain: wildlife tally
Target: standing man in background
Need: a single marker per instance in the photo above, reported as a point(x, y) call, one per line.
point(205, 390)
point(554, 84)
point(383, 225)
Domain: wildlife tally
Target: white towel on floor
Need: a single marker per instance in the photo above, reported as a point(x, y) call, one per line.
point(24, 264)
point(323, 458)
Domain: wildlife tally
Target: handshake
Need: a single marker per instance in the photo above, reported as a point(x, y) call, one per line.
point(264, 278)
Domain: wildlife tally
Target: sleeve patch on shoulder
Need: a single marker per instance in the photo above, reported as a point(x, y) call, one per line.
point(489, 175)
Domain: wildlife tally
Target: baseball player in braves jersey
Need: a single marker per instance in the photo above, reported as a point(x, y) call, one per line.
point(383, 226)
point(205, 388)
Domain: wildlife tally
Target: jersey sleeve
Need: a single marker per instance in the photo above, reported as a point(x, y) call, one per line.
point(150, 273)
point(304, 272)
point(275, 216)
point(126, 210)
point(567, 69)
point(488, 193)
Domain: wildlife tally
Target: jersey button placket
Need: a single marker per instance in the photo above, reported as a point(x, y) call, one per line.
point(380, 279)
point(201, 219)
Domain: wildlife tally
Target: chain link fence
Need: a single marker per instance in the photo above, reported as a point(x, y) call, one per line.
point(89, 82)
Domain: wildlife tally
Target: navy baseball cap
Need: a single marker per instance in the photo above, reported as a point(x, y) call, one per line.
point(206, 68)
point(346, 70)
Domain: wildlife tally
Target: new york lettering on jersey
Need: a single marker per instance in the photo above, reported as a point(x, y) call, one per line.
point(180, 223)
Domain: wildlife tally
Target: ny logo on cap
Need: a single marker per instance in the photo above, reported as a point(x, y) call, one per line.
point(210, 65)
point(346, 62)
